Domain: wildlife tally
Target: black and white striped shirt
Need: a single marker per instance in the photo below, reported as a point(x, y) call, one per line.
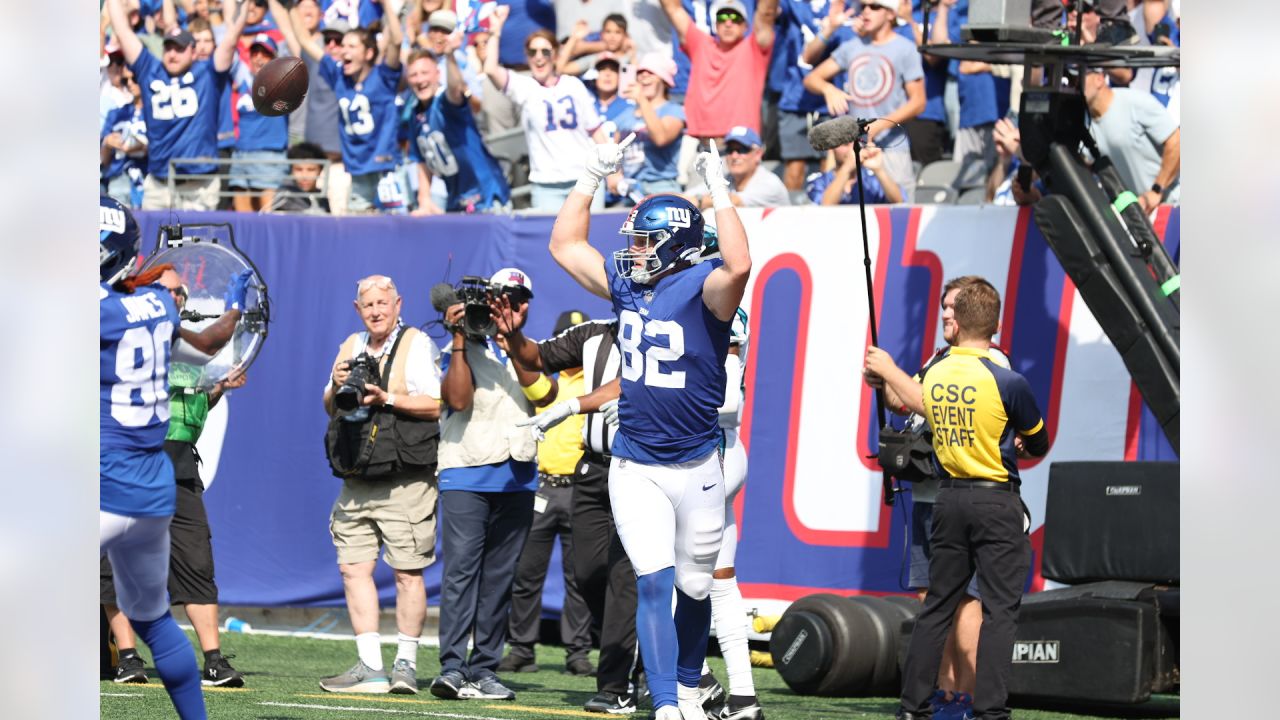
point(582, 346)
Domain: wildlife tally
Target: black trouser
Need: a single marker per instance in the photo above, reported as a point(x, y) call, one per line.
point(605, 576)
point(481, 536)
point(972, 529)
point(928, 138)
point(1048, 13)
point(531, 573)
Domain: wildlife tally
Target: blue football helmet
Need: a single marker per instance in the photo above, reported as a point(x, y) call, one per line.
point(672, 227)
point(119, 241)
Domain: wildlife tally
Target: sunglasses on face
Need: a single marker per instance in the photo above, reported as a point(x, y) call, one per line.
point(535, 52)
point(729, 16)
point(330, 40)
point(736, 149)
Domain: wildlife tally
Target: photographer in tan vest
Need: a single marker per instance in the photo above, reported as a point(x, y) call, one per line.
point(382, 441)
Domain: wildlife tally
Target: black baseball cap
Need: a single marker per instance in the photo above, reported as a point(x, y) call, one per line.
point(181, 38)
point(568, 319)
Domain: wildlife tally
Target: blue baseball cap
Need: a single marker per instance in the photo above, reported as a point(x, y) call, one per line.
point(743, 135)
point(266, 41)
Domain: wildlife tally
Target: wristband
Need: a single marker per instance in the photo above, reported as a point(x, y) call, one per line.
point(538, 389)
point(391, 400)
point(574, 406)
point(720, 199)
point(825, 40)
point(587, 185)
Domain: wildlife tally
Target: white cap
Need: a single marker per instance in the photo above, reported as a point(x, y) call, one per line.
point(511, 277)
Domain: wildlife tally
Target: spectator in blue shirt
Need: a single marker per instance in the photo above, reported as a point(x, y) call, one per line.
point(259, 149)
point(124, 148)
point(839, 186)
point(649, 163)
point(609, 103)
point(179, 97)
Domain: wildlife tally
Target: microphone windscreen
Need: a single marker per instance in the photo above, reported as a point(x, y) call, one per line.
point(443, 296)
point(834, 132)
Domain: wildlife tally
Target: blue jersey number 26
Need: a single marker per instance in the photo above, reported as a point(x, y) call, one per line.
point(649, 363)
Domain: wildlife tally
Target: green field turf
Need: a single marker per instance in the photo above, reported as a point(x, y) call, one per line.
point(282, 675)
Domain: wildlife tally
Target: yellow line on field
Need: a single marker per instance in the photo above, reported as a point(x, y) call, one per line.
point(384, 698)
point(159, 686)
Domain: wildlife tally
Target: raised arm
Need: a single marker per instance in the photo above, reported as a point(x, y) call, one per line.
point(455, 88)
point(568, 49)
point(130, 45)
point(680, 19)
point(762, 26)
point(306, 42)
point(168, 15)
point(497, 74)
point(226, 51)
point(285, 23)
point(391, 23)
point(569, 244)
point(722, 290)
point(457, 389)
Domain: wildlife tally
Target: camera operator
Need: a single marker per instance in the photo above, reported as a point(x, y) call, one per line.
point(487, 482)
point(388, 499)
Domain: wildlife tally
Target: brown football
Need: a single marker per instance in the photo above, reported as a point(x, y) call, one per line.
point(281, 86)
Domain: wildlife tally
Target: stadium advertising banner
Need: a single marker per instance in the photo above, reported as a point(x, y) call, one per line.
point(811, 517)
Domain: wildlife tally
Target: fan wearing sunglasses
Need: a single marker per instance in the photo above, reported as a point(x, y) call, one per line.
point(726, 72)
point(557, 111)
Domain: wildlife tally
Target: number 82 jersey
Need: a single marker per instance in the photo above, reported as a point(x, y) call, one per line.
point(673, 379)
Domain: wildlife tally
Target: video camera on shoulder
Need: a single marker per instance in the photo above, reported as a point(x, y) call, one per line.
point(364, 370)
point(475, 293)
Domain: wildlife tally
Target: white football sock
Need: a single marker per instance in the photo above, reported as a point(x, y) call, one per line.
point(730, 621)
point(369, 646)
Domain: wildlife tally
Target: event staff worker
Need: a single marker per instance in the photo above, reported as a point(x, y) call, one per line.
point(395, 511)
point(604, 573)
point(975, 409)
point(487, 482)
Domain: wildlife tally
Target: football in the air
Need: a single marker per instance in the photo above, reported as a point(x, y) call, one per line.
point(280, 87)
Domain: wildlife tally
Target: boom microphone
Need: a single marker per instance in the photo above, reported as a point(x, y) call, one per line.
point(837, 131)
point(443, 296)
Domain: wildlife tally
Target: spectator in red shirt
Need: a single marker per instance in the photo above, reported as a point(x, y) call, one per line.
point(726, 77)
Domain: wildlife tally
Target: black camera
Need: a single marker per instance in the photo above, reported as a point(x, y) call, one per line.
point(474, 293)
point(364, 370)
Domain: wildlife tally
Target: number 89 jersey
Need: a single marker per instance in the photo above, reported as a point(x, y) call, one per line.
point(137, 332)
point(673, 350)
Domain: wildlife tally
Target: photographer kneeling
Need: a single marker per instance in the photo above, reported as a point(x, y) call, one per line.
point(384, 387)
point(487, 482)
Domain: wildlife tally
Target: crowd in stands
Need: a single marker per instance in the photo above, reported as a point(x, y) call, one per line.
point(426, 106)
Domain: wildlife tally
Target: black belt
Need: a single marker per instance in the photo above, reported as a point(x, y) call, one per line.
point(967, 484)
point(555, 480)
point(597, 458)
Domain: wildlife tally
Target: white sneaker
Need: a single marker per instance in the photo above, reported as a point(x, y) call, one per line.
point(668, 712)
point(692, 710)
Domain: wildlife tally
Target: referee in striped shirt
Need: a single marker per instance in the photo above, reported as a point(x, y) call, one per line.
point(604, 574)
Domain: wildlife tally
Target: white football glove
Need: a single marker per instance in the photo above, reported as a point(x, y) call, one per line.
point(542, 422)
point(603, 160)
point(710, 167)
point(610, 412)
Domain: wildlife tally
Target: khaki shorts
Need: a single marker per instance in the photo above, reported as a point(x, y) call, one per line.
point(188, 195)
point(399, 515)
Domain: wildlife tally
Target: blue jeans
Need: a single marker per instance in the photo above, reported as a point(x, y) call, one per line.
point(482, 535)
point(548, 197)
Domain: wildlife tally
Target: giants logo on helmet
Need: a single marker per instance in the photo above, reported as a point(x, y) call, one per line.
point(679, 217)
point(110, 219)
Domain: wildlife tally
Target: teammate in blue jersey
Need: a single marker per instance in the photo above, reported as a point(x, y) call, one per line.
point(444, 140)
point(179, 99)
point(138, 329)
point(666, 483)
point(366, 94)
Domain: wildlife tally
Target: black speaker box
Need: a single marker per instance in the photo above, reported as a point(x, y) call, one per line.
point(1093, 644)
point(1099, 644)
point(1112, 521)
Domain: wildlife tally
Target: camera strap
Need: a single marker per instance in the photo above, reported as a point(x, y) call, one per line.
point(388, 360)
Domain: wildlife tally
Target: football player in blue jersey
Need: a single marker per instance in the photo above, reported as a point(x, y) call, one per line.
point(180, 101)
point(444, 140)
point(666, 482)
point(366, 94)
point(138, 329)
